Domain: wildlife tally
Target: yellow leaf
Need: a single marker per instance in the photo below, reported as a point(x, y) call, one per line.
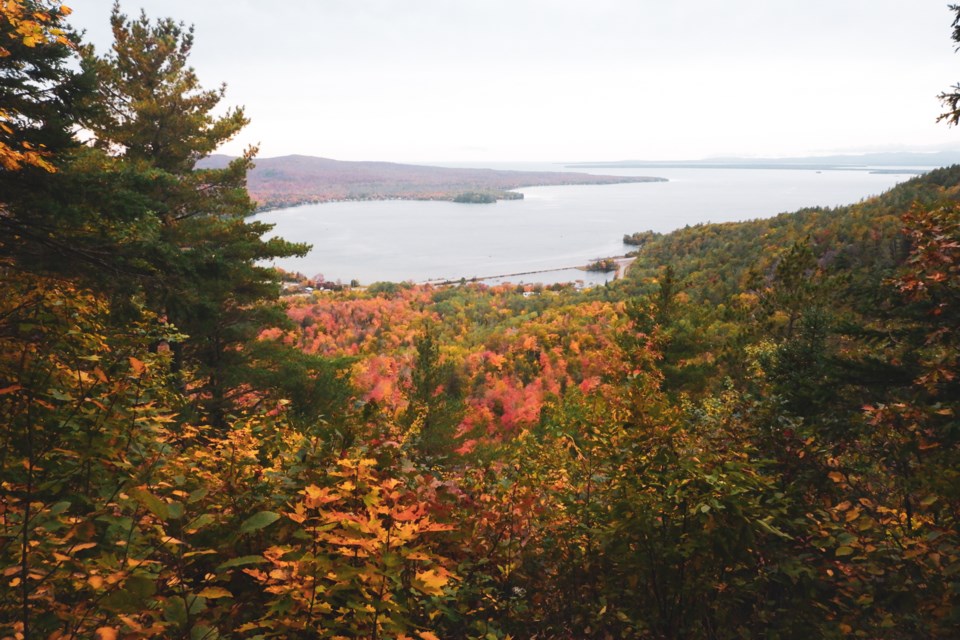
point(215, 592)
point(95, 581)
point(431, 582)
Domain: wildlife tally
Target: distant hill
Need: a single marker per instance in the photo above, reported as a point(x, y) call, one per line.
point(881, 161)
point(290, 180)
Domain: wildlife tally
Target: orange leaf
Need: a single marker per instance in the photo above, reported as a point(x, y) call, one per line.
point(137, 365)
point(106, 633)
point(407, 514)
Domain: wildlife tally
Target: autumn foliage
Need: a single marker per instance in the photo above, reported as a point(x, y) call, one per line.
point(753, 435)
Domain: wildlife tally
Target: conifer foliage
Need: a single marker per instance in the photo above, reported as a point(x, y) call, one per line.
point(203, 254)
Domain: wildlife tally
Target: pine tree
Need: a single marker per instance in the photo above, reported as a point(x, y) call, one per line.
point(202, 252)
point(36, 86)
point(43, 96)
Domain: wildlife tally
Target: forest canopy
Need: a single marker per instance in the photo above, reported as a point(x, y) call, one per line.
point(755, 434)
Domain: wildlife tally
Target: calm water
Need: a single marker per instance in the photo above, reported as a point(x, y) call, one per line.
point(552, 228)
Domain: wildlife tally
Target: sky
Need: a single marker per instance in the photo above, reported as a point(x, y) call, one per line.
point(569, 80)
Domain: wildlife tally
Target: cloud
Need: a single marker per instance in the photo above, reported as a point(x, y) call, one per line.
point(428, 79)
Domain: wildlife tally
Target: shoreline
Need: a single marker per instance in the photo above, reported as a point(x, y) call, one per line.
point(623, 263)
point(267, 205)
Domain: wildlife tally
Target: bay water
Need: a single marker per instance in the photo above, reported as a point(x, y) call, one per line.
point(552, 230)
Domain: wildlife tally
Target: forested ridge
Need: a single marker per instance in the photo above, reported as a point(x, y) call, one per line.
point(292, 180)
point(753, 435)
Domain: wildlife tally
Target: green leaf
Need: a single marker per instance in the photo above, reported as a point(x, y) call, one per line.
point(766, 526)
point(175, 509)
point(59, 508)
point(155, 505)
point(199, 522)
point(175, 611)
point(121, 601)
point(258, 521)
point(141, 587)
point(843, 551)
point(240, 562)
point(197, 604)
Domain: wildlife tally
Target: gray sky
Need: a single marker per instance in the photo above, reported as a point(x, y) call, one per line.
point(462, 80)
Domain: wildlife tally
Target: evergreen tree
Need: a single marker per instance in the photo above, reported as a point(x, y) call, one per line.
point(43, 96)
point(951, 99)
point(204, 256)
point(38, 90)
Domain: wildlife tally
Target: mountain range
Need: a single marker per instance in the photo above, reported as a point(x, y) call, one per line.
point(881, 161)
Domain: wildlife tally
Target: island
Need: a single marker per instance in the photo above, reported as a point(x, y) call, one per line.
point(604, 265)
point(486, 197)
point(291, 180)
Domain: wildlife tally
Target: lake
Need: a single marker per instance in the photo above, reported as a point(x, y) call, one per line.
point(552, 229)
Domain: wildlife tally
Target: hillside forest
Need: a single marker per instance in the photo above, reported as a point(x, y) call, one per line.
point(291, 180)
point(753, 435)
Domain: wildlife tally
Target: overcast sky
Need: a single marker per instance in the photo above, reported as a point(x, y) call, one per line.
point(559, 80)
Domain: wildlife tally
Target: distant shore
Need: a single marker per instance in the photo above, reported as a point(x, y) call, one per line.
point(289, 181)
point(623, 263)
point(266, 204)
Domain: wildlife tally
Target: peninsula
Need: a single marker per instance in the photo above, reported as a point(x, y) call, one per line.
point(290, 180)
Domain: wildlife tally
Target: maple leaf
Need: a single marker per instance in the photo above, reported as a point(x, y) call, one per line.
point(431, 581)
